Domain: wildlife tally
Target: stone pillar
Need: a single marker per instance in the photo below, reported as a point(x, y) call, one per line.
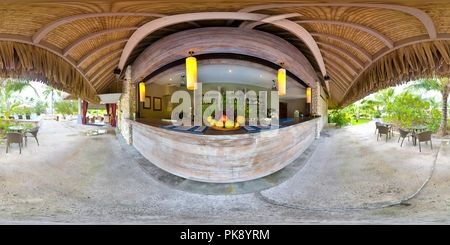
point(127, 107)
point(80, 112)
point(316, 106)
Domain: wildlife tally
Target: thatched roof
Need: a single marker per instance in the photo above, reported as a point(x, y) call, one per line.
point(76, 46)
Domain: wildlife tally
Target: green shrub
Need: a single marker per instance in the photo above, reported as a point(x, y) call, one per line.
point(403, 115)
point(340, 117)
point(433, 121)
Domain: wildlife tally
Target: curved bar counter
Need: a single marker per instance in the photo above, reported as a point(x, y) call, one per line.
point(222, 156)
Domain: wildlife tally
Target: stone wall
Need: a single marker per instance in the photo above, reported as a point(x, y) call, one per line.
point(319, 106)
point(127, 107)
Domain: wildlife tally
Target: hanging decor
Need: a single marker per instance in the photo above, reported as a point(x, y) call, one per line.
point(183, 81)
point(281, 81)
point(308, 95)
point(191, 72)
point(274, 86)
point(141, 92)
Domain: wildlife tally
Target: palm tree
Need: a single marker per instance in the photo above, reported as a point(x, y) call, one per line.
point(8, 91)
point(50, 91)
point(382, 98)
point(440, 85)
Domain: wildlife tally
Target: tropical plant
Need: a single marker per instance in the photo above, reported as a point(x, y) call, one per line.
point(39, 107)
point(9, 94)
point(434, 119)
point(339, 116)
point(54, 94)
point(66, 107)
point(441, 85)
point(380, 100)
point(4, 126)
point(403, 115)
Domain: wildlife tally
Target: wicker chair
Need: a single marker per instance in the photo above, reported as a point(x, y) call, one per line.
point(376, 126)
point(424, 136)
point(383, 130)
point(404, 134)
point(32, 132)
point(14, 137)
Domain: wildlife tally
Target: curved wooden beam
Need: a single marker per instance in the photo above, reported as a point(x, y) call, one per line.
point(417, 13)
point(95, 74)
point(337, 66)
point(336, 76)
point(354, 46)
point(95, 34)
point(338, 83)
point(154, 25)
point(162, 22)
point(105, 81)
point(388, 42)
point(251, 25)
point(343, 52)
point(98, 49)
point(216, 40)
point(100, 60)
point(37, 37)
point(348, 64)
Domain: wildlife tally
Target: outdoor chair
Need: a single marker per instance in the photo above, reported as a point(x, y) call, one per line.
point(14, 137)
point(424, 136)
point(383, 130)
point(32, 132)
point(404, 134)
point(376, 126)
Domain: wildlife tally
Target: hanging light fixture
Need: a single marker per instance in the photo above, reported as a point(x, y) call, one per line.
point(274, 86)
point(183, 81)
point(142, 92)
point(308, 95)
point(281, 81)
point(191, 72)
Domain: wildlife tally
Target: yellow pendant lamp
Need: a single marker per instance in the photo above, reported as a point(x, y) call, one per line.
point(191, 72)
point(281, 81)
point(142, 92)
point(308, 95)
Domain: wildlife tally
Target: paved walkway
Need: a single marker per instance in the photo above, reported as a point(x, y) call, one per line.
point(87, 174)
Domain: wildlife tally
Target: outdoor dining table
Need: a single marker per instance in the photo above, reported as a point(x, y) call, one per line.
point(418, 128)
point(17, 128)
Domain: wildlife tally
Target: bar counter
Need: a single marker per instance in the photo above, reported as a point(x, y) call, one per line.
point(222, 156)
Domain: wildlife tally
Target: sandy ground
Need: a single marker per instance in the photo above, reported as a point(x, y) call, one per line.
point(351, 178)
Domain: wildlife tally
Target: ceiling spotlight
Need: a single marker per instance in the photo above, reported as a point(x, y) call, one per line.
point(326, 78)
